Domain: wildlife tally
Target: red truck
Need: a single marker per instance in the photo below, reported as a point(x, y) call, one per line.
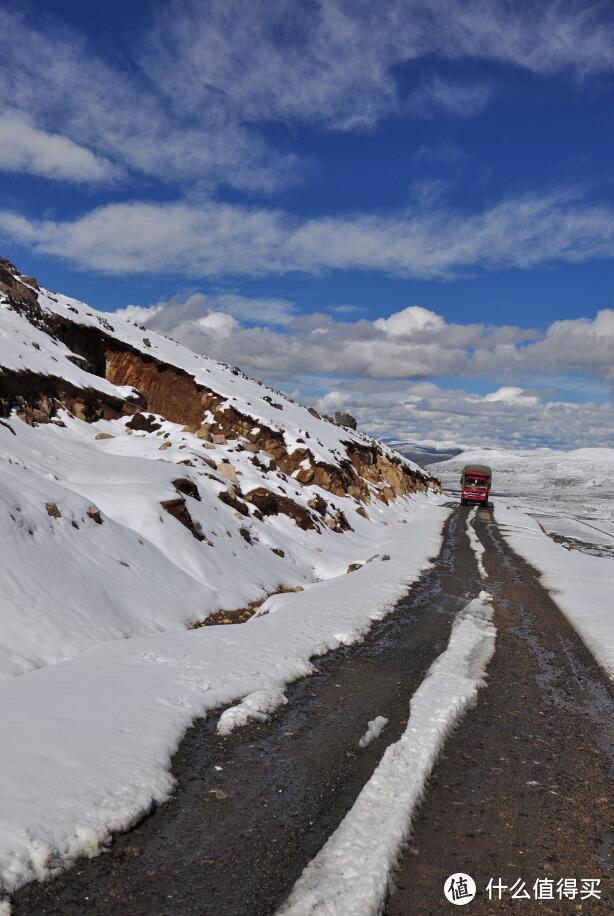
point(475, 484)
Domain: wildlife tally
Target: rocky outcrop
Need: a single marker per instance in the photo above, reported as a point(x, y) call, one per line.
point(345, 419)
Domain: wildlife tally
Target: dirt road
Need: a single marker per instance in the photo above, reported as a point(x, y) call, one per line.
point(523, 789)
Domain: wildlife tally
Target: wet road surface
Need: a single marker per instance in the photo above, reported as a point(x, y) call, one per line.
point(522, 790)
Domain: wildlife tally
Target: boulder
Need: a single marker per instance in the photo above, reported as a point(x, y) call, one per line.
point(345, 419)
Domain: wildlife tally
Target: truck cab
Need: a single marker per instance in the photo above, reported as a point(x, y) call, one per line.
point(475, 485)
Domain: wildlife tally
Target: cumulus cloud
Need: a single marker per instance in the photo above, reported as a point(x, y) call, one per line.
point(215, 239)
point(425, 411)
point(511, 394)
point(170, 314)
point(414, 343)
point(413, 318)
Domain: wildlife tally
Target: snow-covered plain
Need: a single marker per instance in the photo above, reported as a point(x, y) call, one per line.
point(556, 509)
point(99, 674)
point(350, 874)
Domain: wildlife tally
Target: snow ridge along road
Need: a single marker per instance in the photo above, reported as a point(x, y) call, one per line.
point(350, 875)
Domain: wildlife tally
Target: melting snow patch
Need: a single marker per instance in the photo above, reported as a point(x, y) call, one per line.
point(256, 707)
point(476, 544)
point(376, 727)
point(350, 874)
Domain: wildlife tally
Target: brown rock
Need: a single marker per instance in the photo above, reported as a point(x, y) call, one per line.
point(94, 513)
point(144, 423)
point(227, 472)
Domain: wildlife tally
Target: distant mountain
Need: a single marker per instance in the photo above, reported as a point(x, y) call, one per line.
point(425, 453)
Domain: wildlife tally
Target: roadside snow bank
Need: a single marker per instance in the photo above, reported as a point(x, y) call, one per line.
point(476, 544)
point(350, 874)
point(582, 585)
point(87, 743)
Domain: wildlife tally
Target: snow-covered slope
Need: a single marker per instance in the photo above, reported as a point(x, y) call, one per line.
point(145, 491)
point(145, 487)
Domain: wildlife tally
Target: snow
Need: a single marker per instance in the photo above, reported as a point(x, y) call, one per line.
point(100, 672)
point(375, 728)
point(476, 544)
point(351, 873)
point(83, 594)
point(87, 742)
point(255, 707)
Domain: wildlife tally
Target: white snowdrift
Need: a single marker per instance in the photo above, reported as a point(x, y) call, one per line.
point(581, 585)
point(350, 874)
point(86, 743)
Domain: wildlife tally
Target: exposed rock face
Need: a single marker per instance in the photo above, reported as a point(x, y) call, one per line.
point(12, 284)
point(178, 509)
point(143, 423)
point(273, 504)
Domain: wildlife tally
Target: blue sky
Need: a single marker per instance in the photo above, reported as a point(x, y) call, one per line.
point(271, 183)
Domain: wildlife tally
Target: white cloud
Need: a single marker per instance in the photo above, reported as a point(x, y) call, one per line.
point(25, 148)
point(214, 239)
point(463, 99)
point(413, 318)
point(413, 343)
point(511, 394)
point(334, 63)
point(219, 323)
point(186, 101)
point(171, 313)
point(424, 411)
point(50, 73)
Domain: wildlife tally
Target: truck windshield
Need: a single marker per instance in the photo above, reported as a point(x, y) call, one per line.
point(474, 481)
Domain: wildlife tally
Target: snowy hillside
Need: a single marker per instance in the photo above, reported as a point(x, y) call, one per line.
point(149, 487)
point(147, 494)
